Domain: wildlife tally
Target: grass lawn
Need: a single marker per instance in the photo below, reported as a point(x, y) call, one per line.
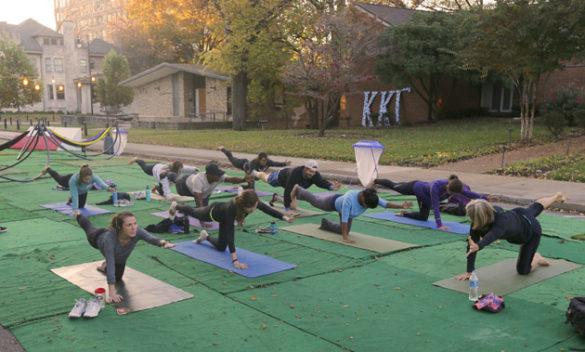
point(424, 145)
point(558, 167)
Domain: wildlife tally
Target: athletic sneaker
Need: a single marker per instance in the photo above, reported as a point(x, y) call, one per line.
point(202, 236)
point(172, 210)
point(93, 309)
point(3, 229)
point(78, 308)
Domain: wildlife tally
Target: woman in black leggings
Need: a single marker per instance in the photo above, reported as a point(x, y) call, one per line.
point(518, 226)
point(225, 214)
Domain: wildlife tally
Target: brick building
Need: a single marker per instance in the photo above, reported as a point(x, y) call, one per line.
point(91, 18)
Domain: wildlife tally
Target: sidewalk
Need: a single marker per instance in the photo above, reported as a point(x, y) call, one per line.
point(510, 189)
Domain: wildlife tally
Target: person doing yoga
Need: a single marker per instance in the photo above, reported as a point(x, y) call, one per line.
point(225, 213)
point(78, 184)
point(349, 205)
point(518, 226)
point(305, 176)
point(160, 171)
point(116, 243)
point(260, 163)
point(429, 195)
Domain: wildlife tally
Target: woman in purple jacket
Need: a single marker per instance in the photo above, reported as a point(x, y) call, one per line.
point(429, 195)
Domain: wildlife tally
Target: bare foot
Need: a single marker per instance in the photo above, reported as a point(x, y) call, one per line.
point(221, 147)
point(348, 240)
point(45, 170)
point(172, 210)
point(539, 260)
point(132, 161)
point(559, 197)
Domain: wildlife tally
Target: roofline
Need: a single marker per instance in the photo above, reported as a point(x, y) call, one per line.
point(173, 66)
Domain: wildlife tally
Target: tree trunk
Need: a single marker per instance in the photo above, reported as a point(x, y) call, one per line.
point(240, 94)
point(532, 110)
point(324, 113)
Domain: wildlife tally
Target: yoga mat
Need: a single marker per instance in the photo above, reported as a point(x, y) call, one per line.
point(303, 212)
point(176, 197)
point(502, 278)
point(456, 227)
point(258, 265)
point(63, 208)
point(231, 189)
point(192, 221)
point(139, 290)
point(371, 243)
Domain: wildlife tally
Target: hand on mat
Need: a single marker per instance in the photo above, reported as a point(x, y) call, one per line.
point(463, 277)
point(111, 189)
point(406, 204)
point(239, 265)
point(443, 227)
point(336, 186)
point(473, 247)
point(76, 213)
point(290, 218)
point(168, 245)
point(115, 298)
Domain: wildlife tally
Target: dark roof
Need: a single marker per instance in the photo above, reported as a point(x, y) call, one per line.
point(27, 31)
point(166, 69)
point(100, 47)
point(389, 16)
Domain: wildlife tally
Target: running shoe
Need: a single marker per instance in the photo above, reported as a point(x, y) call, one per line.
point(273, 199)
point(3, 229)
point(78, 308)
point(93, 309)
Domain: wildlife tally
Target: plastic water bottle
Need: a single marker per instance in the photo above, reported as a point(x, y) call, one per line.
point(115, 198)
point(273, 228)
point(473, 287)
point(147, 193)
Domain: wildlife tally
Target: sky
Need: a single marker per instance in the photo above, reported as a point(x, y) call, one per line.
point(17, 11)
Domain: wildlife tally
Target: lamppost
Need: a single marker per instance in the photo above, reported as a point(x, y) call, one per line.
point(91, 78)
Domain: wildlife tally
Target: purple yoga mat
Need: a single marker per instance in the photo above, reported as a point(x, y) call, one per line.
point(192, 221)
point(233, 190)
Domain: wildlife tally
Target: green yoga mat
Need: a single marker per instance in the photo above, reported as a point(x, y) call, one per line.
point(371, 243)
point(502, 278)
point(303, 212)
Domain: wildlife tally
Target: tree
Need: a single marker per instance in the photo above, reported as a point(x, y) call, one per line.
point(331, 61)
point(524, 40)
point(250, 37)
point(109, 94)
point(420, 54)
point(17, 77)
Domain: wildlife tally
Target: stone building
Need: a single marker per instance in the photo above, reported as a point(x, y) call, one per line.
point(64, 65)
point(180, 91)
point(91, 18)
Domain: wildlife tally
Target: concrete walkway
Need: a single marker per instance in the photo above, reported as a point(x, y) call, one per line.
point(510, 189)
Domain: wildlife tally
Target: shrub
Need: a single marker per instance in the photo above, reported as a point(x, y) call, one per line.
point(566, 100)
point(554, 122)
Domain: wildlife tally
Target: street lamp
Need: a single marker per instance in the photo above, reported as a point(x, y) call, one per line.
point(91, 79)
point(25, 82)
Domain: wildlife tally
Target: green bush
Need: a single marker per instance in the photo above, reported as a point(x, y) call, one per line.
point(555, 122)
point(566, 100)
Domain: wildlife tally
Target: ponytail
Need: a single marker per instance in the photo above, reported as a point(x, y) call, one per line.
point(454, 186)
point(371, 197)
point(117, 221)
point(247, 199)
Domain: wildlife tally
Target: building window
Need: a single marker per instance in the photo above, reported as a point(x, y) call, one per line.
point(61, 92)
point(46, 41)
point(50, 92)
point(83, 66)
point(53, 41)
point(58, 64)
point(91, 64)
point(48, 65)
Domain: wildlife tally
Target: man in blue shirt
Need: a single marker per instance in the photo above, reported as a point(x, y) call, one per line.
point(349, 205)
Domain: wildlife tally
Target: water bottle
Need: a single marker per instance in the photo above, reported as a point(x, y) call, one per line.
point(115, 198)
point(473, 287)
point(273, 228)
point(147, 193)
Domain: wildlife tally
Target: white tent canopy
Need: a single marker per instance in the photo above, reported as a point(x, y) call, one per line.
point(367, 156)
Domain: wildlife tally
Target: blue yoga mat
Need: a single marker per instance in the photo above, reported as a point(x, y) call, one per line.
point(258, 265)
point(456, 227)
point(65, 209)
point(231, 189)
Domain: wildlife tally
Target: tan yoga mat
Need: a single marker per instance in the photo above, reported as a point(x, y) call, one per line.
point(176, 197)
point(370, 243)
point(139, 290)
point(501, 278)
point(303, 212)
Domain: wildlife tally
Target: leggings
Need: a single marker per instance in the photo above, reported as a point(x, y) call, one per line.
point(226, 230)
point(93, 235)
point(324, 203)
point(242, 164)
point(528, 249)
point(63, 181)
point(407, 189)
point(145, 167)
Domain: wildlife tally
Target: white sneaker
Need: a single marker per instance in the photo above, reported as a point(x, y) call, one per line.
point(172, 210)
point(93, 308)
point(78, 308)
point(202, 237)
